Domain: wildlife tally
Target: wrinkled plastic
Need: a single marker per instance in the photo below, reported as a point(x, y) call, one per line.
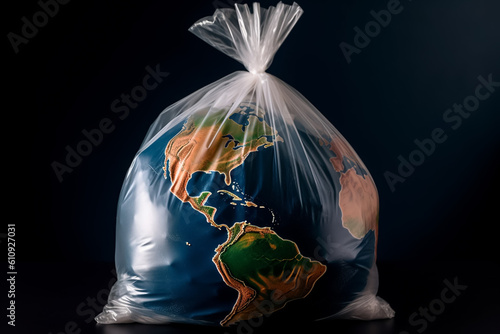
point(244, 200)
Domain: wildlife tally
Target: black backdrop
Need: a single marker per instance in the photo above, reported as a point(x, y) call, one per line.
point(396, 89)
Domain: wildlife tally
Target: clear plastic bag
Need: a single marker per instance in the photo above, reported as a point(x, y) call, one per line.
point(244, 201)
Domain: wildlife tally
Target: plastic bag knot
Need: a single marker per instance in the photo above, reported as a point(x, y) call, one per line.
point(252, 38)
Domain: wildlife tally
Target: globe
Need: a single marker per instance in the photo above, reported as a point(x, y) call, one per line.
point(216, 225)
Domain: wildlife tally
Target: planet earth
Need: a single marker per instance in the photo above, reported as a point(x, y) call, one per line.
point(235, 245)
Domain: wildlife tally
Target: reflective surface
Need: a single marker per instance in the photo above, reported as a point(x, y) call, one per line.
point(72, 293)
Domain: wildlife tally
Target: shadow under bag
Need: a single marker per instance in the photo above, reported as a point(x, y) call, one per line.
point(244, 200)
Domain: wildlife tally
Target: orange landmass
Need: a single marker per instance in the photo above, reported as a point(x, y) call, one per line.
point(275, 291)
point(358, 196)
point(203, 148)
point(358, 201)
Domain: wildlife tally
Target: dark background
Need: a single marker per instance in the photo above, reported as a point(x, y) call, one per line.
point(440, 222)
